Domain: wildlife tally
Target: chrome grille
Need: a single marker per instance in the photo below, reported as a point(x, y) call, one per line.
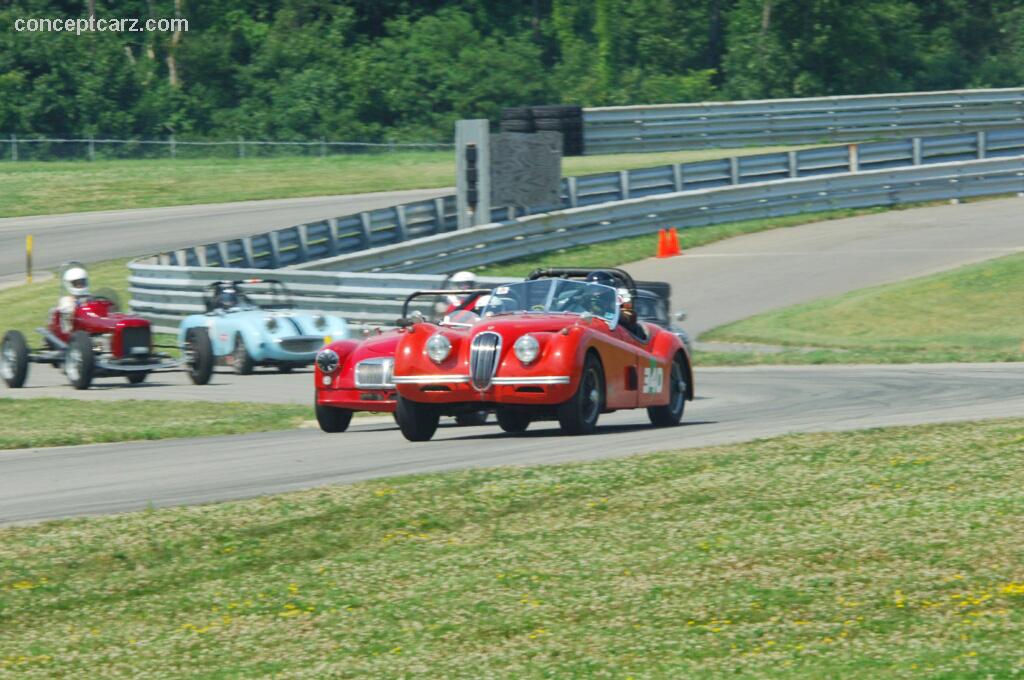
point(374, 373)
point(135, 341)
point(302, 345)
point(484, 355)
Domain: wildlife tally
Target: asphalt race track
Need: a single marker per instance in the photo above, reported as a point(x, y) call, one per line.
point(735, 404)
point(105, 235)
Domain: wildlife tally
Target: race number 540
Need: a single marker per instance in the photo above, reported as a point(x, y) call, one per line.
point(654, 379)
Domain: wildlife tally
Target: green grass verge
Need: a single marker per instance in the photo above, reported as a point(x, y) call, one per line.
point(882, 553)
point(36, 188)
point(632, 249)
point(973, 313)
point(41, 422)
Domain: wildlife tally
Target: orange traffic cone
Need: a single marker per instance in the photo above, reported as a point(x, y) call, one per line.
point(673, 242)
point(662, 243)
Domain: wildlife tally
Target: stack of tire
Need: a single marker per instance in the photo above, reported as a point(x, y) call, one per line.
point(564, 118)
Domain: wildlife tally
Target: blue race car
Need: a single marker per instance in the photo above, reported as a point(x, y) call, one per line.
point(238, 332)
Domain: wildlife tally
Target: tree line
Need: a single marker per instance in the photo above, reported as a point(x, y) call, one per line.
point(405, 70)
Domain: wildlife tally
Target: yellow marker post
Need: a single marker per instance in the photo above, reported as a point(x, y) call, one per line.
point(28, 257)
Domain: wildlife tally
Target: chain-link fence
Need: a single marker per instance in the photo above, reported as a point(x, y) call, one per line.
point(14, 148)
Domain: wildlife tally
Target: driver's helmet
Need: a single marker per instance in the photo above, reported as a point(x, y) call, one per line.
point(76, 282)
point(601, 277)
point(228, 298)
point(463, 280)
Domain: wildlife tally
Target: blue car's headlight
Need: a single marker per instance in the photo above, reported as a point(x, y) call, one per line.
point(271, 323)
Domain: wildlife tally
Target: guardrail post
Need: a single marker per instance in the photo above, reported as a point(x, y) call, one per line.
point(304, 242)
point(734, 170)
point(854, 159)
point(250, 261)
point(403, 234)
point(917, 150)
point(794, 169)
point(439, 218)
point(14, 147)
point(275, 250)
point(174, 147)
point(332, 230)
point(574, 198)
point(624, 184)
point(92, 148)
point(364, 225)
point(982, 144)
point(677, 176)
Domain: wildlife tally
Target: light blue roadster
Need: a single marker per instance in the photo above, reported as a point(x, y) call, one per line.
point(238, 332)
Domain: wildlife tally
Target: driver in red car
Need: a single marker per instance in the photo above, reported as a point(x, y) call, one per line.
point(627, 315)
point(76, 283)
point(465, 280)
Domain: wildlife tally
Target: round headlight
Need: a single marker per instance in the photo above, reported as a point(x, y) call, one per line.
point(438, 348)
point(327, 360)
point(271, 324)
point(320, 322)
point(526, 348)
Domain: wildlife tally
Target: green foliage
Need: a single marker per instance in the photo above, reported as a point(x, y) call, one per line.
point(405, 70)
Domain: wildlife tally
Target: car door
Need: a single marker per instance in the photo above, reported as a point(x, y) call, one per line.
point(650, 371)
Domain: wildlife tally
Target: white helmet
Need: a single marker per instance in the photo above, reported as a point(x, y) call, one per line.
point(463, 280)
point(76, 281)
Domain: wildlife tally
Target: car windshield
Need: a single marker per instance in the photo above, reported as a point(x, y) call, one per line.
point(651, 308)
point(557, 296)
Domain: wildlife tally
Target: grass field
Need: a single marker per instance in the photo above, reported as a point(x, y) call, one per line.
point(882, 553)
point(974, 313)
point(30, 423)
point(35, 188)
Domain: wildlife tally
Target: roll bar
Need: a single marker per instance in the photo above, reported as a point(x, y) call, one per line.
point(566, 273)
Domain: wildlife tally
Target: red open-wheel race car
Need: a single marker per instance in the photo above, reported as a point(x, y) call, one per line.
point(86, 336)
point(355, 375)
point(564, 344)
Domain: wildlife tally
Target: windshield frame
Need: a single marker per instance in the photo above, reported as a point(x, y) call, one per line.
point(549, 298)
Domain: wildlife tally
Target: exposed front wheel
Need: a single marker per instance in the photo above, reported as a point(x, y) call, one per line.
point(199, 355)
point(14, 359)
point(242, 361)
point(417, 421)
point(80, 360)
point(513, 421)
point(579, 414)
point(471, 419)
point(671, 413)
point(332, 419)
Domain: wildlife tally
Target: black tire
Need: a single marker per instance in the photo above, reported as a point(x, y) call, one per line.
point(137, 378)
point(555, 124)
point(557, 111)
point(333, 419)
point(513, 421)
point(579, 414)
point(517, 126)
point(417, 421)
point(516, 113)
point(670, 414)
point(243, 363)
point(80, 360)
point(471, 419)
point(199, 355)
point(14, 359)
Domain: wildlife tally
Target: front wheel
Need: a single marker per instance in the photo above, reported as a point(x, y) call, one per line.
point(242, 361)
point(332, 419)
point(417, 421)
point(471, 419)
point(199, 355)
point(80, 360)
point(671, 413)
point(579, 414)
point(14, 359)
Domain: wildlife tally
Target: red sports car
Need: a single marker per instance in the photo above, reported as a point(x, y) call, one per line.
point(564, 344)
point(355, 375)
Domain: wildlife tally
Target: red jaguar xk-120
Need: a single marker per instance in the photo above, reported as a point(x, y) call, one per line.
point(564, 344)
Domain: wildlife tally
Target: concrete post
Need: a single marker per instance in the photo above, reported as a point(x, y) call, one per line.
point(476, 132)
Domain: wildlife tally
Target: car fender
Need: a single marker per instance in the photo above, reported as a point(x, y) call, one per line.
point(666, 344)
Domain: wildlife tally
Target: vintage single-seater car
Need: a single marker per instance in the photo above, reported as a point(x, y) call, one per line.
point(563, 345)
point(87, 337)
point(355, 375)
point(238, 332)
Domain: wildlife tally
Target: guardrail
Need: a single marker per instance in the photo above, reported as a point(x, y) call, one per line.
point(533, 234)
point(667, 127)
point(166, 293)
point(308, 243)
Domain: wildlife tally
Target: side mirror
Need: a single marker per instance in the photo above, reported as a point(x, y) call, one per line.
point(681, 315)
